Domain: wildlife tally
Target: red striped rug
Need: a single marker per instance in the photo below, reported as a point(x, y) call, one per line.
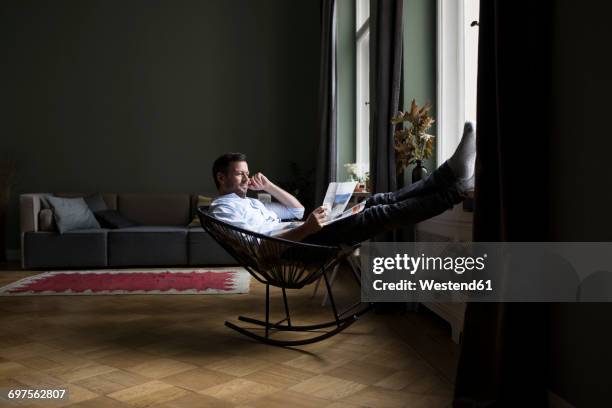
point(133, 282)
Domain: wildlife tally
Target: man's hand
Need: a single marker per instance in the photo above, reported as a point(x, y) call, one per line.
point(259, 182)
point(314, 221)
point(312, 224)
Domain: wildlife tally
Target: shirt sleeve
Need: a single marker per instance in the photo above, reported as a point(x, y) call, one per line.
point(229, 214)
point(285, 213)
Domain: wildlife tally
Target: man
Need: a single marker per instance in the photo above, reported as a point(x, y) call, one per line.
point(441, 190)
point(233, 180)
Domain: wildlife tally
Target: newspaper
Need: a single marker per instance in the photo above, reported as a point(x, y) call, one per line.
point(335, 202)
point(336, 199)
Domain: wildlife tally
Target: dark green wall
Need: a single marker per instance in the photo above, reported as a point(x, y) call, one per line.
point(142, 95)
point(420, 56)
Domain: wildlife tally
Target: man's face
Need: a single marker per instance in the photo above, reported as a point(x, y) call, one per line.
point(236, 180)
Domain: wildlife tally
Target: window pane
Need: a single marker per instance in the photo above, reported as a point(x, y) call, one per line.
point(363, 98)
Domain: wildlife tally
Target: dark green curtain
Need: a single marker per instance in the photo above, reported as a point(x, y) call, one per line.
point(328, 112)
point(385, 89)
point(386, 94)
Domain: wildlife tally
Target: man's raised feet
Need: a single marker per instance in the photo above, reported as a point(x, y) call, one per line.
point(462, 162)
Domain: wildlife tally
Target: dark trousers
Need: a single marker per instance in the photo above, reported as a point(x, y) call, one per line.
point(417, 202)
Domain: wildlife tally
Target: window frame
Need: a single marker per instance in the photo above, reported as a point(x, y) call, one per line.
point(451, 75)
point(362, 87)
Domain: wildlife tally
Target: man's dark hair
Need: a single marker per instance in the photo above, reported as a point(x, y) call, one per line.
point(222, 163)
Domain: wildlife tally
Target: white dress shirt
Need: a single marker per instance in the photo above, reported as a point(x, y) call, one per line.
point(251, 214)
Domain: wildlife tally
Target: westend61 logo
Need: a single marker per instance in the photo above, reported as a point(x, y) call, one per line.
point(449, 271)
point(411, 264)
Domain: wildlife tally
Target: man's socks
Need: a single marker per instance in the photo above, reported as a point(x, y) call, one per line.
point(462, 162)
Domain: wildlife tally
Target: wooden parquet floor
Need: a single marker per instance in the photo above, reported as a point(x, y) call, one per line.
point(175, 352)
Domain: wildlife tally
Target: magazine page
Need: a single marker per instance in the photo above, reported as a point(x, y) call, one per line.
point(337, 197)
point(286, 226)
point(351, 211)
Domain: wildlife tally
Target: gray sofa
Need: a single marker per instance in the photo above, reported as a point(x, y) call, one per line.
point(162, 238)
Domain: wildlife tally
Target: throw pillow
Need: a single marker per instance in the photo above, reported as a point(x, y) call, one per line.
point(112, 219)
point(96, 203)
point(202, 202)
point(44, 203)
point(72, 214)
point(46, 222)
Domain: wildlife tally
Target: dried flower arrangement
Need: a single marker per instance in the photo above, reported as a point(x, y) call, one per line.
point(412, 143)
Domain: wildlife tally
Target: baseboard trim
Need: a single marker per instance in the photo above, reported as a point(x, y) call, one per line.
point(555, 401)
point(13, 255)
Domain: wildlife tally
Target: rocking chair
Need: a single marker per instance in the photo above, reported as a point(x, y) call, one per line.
point(287, 265)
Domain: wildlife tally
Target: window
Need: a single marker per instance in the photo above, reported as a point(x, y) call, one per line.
point(362, 86)
point(457, 71)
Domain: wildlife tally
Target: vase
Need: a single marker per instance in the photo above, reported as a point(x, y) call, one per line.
point(419, 172)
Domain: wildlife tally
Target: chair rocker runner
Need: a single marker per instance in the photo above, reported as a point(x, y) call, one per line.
point(287, 265)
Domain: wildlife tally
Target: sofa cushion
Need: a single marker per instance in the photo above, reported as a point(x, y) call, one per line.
point(147, 245)
point(74, 249)
point(202, 201)
point(155, 209)
point(96, 203)
point(46, 222)
point(153, 228)
point(72, 214)
point(112, 219)
point(204, 250)
point(110, 199)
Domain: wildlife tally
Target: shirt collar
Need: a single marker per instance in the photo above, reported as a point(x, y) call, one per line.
point(232, 195)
